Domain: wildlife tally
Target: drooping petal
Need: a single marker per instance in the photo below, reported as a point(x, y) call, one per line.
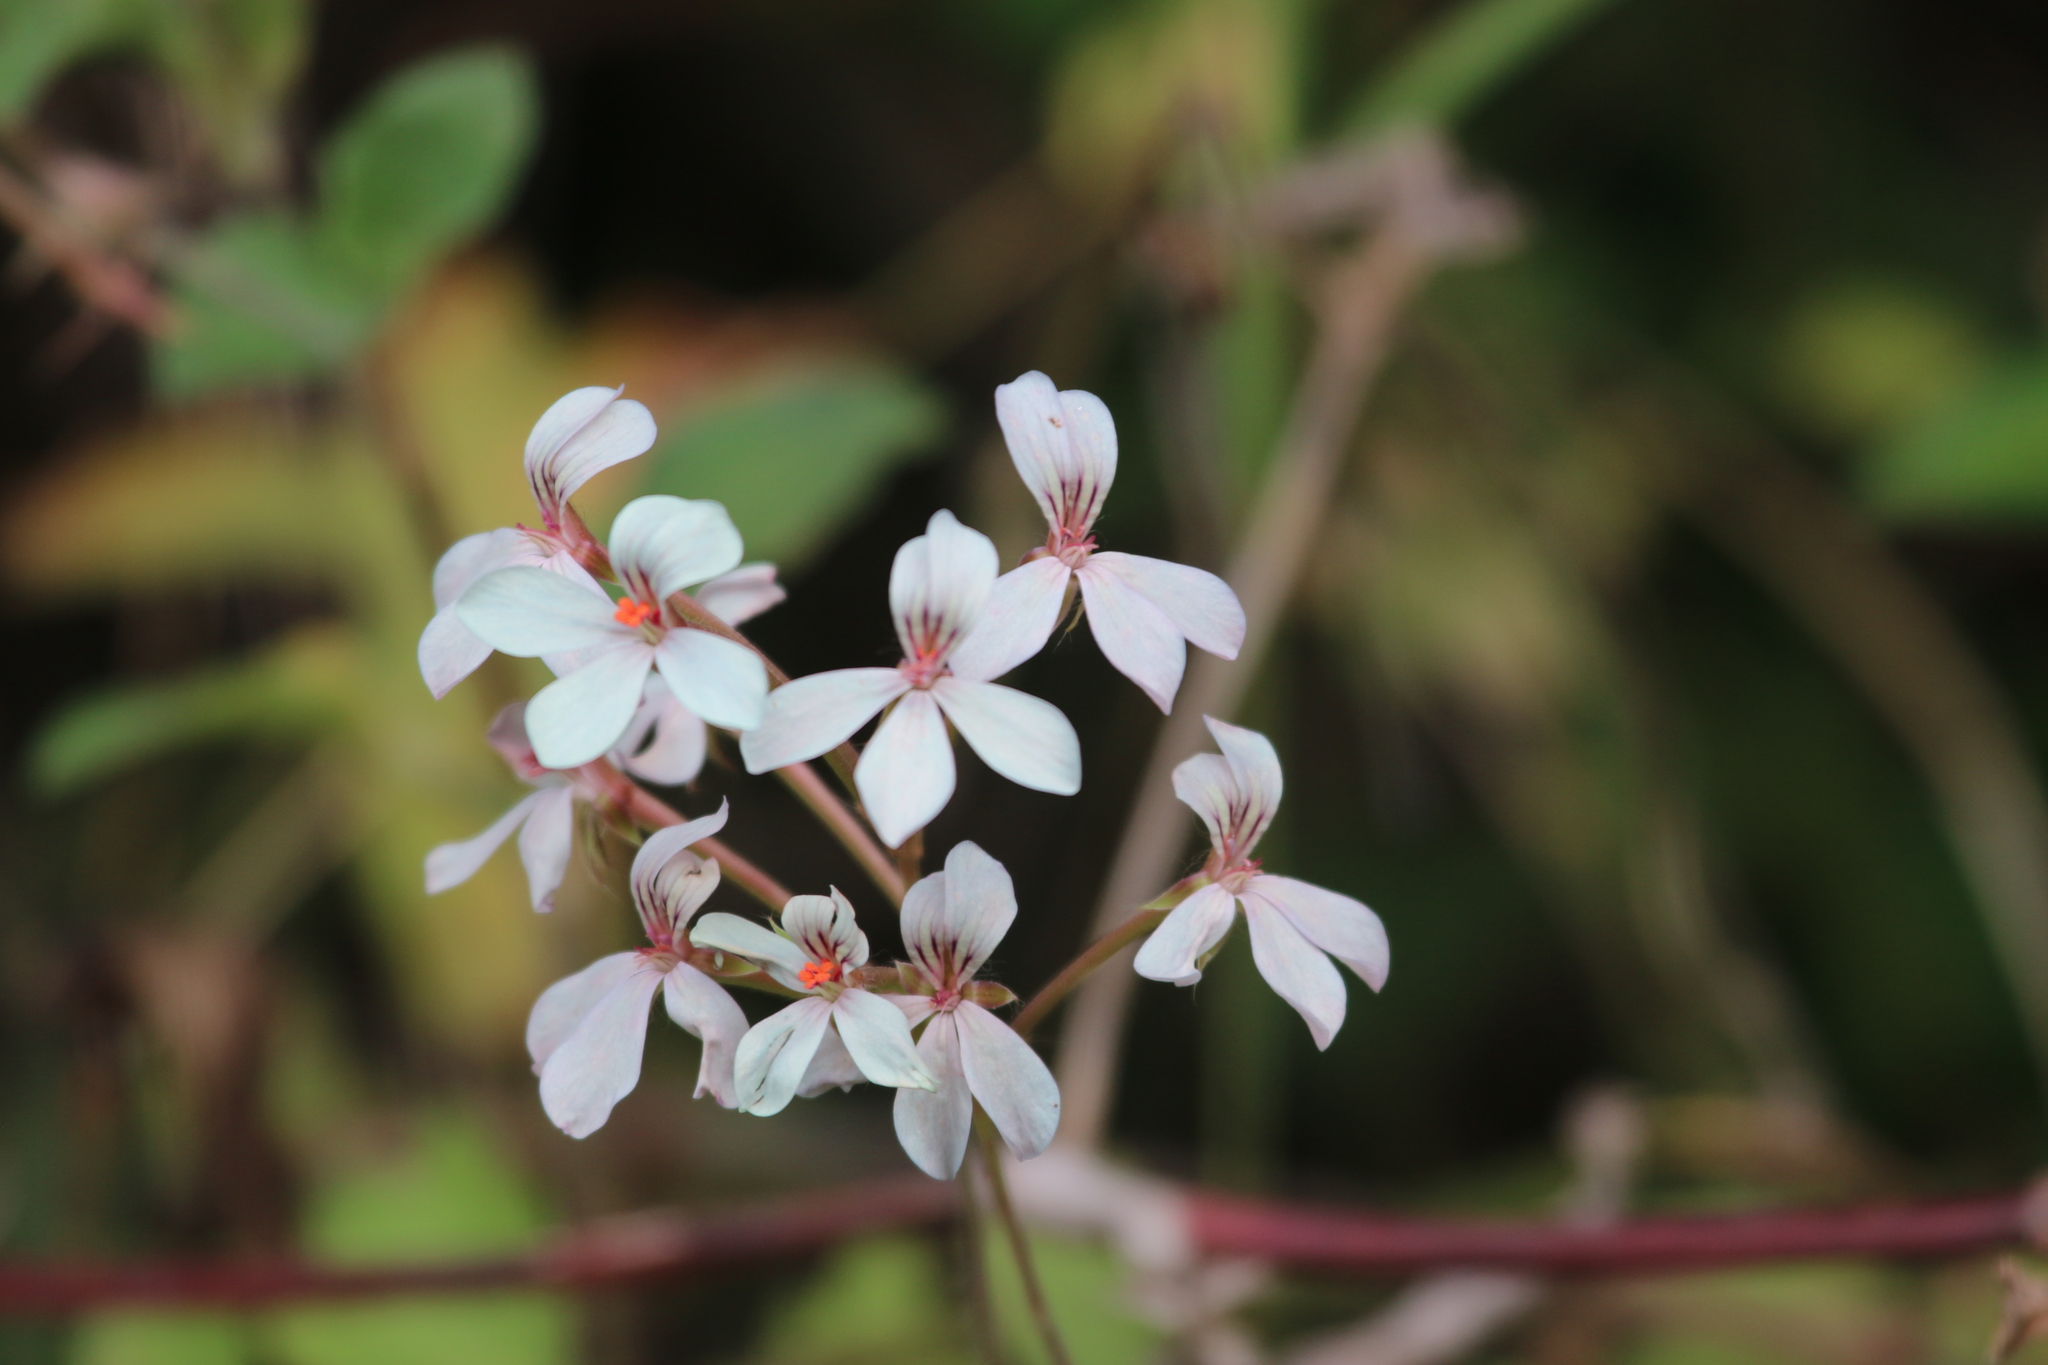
point(813, 715)
point(1342, 927)
point(662, 544)
point(664, 844)
point(741, 595)
point(933, 1125)
point(1010, 1080)
point(953, 920)
point(585, 431)
point(1296, 969)
point(1200, 605)
point(545, 842)
point(561, 1007)
point(508, 736)
point(771, 1060)
point(824, 928)
point(1024, 738)
point(879, 1040)
point(757, 943)
point(1015, 623)
point(674, 737)
point(700, 1006)
point(938, 586)
point(528, 611)
point(832, 1068)
point(905, 775)
point(1064, 447)
point(721, 680)
point(598, 1064)
point(575, 719)
point(453, 864)
point(1196, 925)
point(1134, 635)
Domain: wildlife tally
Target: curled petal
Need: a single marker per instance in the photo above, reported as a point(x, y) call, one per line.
point(1296, 970)
point(721, 680)
point(1200, 605)
point(664, 844)
point(823, 928)
point(528, 611)
point(1009, 1079)
point(933, 1125)
point(1196, 925)
point(561, 1007)
point(1134, 635)
point(773, 1056)
point(1235, 793)
point(577, 718)
point(598, 1064)
point(701, 1007)
point(1064, 447)
point(938, 585)
point(953, 920)
point(757, 943)
point(905, 775)
point(1022, 737)
point(741, 595)
point(1340, 926)
point(812, 715)
point(662, 544)
point(585, 431)
point(453, 864)
point(545, 843)
point(1018, 619)
point(879, 1040)
point(1251, 756)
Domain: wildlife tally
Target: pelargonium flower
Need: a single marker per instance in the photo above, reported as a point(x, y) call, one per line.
point(545, 819)
point(587, 1031)
point(937, 589)
point(817, 951)
point(952, 921)
point(1144, 612)
point(1293, 924)
point(660, 545)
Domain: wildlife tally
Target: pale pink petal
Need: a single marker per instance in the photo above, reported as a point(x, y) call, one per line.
point(1134, 635)
point(953, 920)
point(1200, 605)
point(449, 652)
point(832, 1068)
point(664, 844)
point(575, 719)
point(1296, 969)
point(508, 736)
point(905, 775)
point(741, 595)
point(453, 864)
point(721, 680)
point(701, 1007)
point(927, 936)
point(1195, 926)
point(676, 740)
point(1340, 926)
point(529, 612)
point(561, 1007)
point(757, 943)
point(1017, 620)
point(1206, 784)
point(879, 1040)
point(916, 1008)
point(933, 1125)
point(813, 715)
point(1064, 447)
point(1022, 737)
point(1236, 793)
point(938, 586)
point(661, 544)
point(1009, 1079)
point(585, 431)
point(773, 1056)
point(824, 928)
point(545, 842)
point(1257, 767)
point(598, 1064)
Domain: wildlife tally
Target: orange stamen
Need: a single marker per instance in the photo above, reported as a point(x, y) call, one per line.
point(631, 613)
point(816, 974)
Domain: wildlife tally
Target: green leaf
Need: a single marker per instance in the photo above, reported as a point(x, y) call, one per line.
point(1462, 59)
point(799, 456)
point(38, 38)
point(158, 1338)
point(880, 1299)
point(1980, 458)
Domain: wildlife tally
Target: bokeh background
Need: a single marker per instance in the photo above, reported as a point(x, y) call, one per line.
point(1669, 671)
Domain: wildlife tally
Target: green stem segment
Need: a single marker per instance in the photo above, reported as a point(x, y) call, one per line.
point(1020, 1247)
point(1141, 923)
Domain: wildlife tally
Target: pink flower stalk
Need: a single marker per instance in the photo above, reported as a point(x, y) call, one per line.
point(937, 589)
point(952, 921)
point(587, 1031)
point(1293, 925)
point(1144, 612)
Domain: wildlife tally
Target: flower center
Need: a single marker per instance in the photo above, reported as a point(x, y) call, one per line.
point(816, 974)
point(944, 998)
point(632, 613)
point(1230, 872)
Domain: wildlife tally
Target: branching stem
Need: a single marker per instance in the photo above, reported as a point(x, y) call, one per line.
point(1141, 923)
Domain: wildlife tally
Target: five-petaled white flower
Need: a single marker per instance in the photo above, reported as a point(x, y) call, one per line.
point(937, 589)
point(660, 545)
point(587, 1031)
point(1292, 923)
point(952, 921)
point(817, 950)
point(1141, 610)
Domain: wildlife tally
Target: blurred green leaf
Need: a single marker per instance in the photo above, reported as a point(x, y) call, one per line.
point(1983, 457)
point(1866, 355)
point(38, 37)
point(800, 455)
point(882, 1300)
point(1461, 59)
point(1085, 1286)
point(235, 62)
point(145, 1338)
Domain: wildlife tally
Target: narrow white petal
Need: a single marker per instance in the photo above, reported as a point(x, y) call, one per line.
point(598, 1064)
point(1200, 605)
point(813, 715)
point(905, 775)
point(1064, 447)
point(1340, 926)
point(545, 842)
point(1017, 620)
point(676, 743)
point(1296, 969)
point(1134, 635)
point(1009, 1079)
point(1196, 925)
point(981, 905)
point(700, 1006)
point(586, 430)
point(561, 1007)
point(471, 557)
point(773, 1056)
point(721, 680)
point(662, 544)
point(745, 938)
point(449, 652)
point(1251, 756)
point(453, 864)
point(666, 843)
point(1022, 737)
point(927, 934)
point(938, 586)
point(933, 1125)
point(1237, 792)
point(575, 719)
point(823, 927)
point(832, 1068)
point(529, 611)
point(741, 595)
point(879, 1040)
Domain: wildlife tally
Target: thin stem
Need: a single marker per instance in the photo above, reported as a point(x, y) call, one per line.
point(981, 1312)
point(836, 816)
point(642, 807)
point(1143, 922)
point(910, 858)
point(1020, 1246)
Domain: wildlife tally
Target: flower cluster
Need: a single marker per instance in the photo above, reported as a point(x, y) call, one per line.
point(639, 632)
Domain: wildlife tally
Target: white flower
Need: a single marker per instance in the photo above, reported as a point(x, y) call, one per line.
point(1141, 610)
point(546, 821)
point(1292, 923)
point(952, 921)
point(660, 545)
point(587, 1031)
point(817, 951)
point(937, 588)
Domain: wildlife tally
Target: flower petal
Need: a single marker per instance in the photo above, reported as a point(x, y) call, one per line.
point(700, 1006)
point(721, 680)
point(1196, 925)
point(953, 920)
point(662, 544)
point(545, 841)
point(1064, 447)
point(905, 775)
point(1022, 737)
point(938, 586)
point(824, 929)
point(575, 719)
point(449, 652)
point(1340, 926)
point(1257, 767)
point(586, 430)
point(875, 1033)
point(832, 1068)
point(812, 715)
point(933, 1125)
point(741, 595)
point(1134, 635)
point(771, 1060)
point(755, 942)
point(665, 844)
point(1017, 620)
point(598, 1064)
point(561, 1007)
point(1009, 1079)
point(1296, 969)
point(1235, 793)
point(676, 740)
point(1200, 605)
point(529, 611)
point(453, 864)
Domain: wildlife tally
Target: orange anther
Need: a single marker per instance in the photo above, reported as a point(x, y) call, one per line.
point(817, 974)
point(631, 613)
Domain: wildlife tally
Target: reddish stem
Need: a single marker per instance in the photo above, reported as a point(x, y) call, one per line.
point(629, 799)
